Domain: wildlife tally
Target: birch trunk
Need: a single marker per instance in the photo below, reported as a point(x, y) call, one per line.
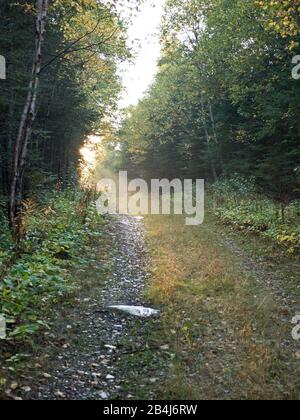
point(26, 123)
point(208, 140)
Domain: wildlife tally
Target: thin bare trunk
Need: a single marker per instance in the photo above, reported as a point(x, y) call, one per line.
point(208, 140)
point(215, 133)
point(213, 124)
point(27, 120)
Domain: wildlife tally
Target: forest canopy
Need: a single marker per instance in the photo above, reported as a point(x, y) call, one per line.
point(224, 101)
point(78, 83)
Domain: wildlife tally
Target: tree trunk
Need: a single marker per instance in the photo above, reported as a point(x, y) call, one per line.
point(215, 134)
point(213, 124)
point(26, 123)
point(208, 141)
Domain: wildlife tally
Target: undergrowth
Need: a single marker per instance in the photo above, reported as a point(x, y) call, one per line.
point(37, 272)
point(238, 204)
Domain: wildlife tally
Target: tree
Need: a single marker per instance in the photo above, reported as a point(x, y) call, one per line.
point(77, 92)
point(27, 119)
point(223, 101)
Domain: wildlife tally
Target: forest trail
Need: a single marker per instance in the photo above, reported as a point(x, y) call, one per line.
point(91, 365)
point(229, 320)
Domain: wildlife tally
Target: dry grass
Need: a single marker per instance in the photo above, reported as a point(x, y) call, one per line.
point(223, 327)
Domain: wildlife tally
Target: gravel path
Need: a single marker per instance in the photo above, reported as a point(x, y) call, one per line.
point(91, 364)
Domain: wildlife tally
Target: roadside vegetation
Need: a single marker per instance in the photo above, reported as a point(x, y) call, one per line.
point(38, 272)
point(237, 203)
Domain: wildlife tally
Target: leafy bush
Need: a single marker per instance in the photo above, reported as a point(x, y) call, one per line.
point(36, 273)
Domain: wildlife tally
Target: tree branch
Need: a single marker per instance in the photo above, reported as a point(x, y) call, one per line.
point(66, 50)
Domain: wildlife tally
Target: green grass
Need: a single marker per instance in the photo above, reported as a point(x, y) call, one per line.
point(225, 328)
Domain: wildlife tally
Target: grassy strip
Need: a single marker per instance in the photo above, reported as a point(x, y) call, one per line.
point(224, 328)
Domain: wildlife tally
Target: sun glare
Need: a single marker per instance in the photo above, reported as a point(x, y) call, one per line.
point(89, 155)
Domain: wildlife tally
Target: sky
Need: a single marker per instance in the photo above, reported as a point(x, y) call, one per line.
point(137, 77)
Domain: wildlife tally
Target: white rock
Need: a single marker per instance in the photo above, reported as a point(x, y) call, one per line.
point(104, 395)
point(139, 311)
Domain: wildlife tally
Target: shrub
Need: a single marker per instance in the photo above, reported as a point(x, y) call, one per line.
point(36, 273)
point(237, 203)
